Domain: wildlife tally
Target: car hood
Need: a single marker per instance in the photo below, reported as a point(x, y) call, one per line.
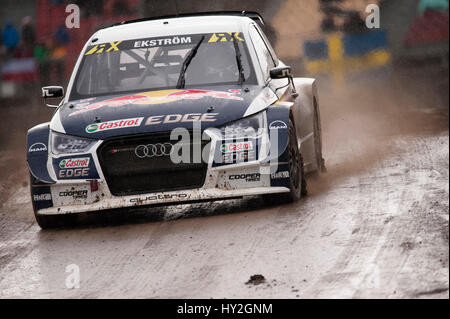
point(160, 111)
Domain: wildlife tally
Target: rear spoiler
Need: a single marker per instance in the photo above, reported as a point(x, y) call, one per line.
point(249, 14)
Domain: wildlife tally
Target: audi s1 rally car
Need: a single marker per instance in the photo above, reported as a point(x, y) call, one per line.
point(174, 110)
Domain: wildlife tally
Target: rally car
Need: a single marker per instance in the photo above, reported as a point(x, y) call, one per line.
point(174, 110)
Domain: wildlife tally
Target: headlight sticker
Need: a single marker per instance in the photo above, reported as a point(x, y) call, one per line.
point(66, 144)
point(241, 151)
point(235, 147)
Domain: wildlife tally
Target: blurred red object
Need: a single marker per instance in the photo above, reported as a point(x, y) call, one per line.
point(49, 17)
point(19, 70)
point(431, 27)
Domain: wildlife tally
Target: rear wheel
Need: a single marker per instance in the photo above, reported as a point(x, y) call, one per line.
point(320, 163)
point(296, 173)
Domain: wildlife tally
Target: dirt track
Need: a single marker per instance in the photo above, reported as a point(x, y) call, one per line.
point(375, 225)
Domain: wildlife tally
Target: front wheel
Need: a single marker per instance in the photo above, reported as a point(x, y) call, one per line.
point(296, 173)
point(52, 221)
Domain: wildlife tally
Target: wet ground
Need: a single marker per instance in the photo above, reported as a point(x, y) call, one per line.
point(374, 226)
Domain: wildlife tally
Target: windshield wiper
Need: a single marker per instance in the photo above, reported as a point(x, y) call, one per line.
point(239, 62)
point(187, 61)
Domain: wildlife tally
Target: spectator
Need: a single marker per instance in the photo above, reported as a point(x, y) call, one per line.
point(353, 23)
point(10, 37)
point(26, 45)
point(42, 55)
point(328, 24)
point(59, 53)
point(61, 35)
point(28, 33)
point(23, 51)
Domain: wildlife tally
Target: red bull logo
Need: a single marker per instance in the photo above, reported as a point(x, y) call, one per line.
point(157, 97)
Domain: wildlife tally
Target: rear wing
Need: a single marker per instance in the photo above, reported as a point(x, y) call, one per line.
point(249, 14)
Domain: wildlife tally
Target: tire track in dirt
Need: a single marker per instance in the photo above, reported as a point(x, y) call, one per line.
point(369, 267)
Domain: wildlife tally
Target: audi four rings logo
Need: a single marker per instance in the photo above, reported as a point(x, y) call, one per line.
point(151, 150)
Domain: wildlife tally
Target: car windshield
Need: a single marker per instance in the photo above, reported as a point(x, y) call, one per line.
point(156, 63)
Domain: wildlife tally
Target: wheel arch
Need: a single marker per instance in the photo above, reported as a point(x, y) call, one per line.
point(37, 152)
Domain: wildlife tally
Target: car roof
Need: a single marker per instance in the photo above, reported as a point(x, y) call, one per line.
point(172, 27)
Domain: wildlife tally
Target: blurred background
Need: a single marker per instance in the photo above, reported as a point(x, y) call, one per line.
point(327, 39)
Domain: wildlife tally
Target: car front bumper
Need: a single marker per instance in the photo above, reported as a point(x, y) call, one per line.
point(224, 183)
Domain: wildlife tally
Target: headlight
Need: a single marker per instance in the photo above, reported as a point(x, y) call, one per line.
point(65, 144)
point(249, 127)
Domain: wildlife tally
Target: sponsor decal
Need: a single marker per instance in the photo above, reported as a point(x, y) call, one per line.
point(234, 147)
point(253, 177)
point(105, 47)
point(37, 147)
point(74, 162)
point(278, 175)
point(75, 194)
point(151, 150)
point(156, 97)
point(179, 118)
point(157, 197)
point(115, 46)
point(74, 172)
point(75, 167)
point(237, 157)
point(277, 125)
point(42, 197)
point(226, 37)
point(111, 125)
point(148, 43)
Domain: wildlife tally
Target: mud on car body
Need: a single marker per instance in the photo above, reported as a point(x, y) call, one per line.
point(140, 87)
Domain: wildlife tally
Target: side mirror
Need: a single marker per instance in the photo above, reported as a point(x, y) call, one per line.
point(281, 72)
point(52, 92)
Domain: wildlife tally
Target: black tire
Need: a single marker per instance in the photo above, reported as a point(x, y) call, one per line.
point(48, 221)
point(320, 162)
point(296, 173)
point(55, 221)
point(52, 221)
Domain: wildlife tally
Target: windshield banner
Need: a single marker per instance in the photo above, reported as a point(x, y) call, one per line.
point(221, 37)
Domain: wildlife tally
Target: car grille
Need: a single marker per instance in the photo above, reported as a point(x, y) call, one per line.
point(130, 171)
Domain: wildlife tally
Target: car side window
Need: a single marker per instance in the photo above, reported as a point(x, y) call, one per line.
point(268, 45)
point(263, 53)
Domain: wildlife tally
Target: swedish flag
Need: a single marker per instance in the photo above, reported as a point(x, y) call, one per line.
point(338, 54)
